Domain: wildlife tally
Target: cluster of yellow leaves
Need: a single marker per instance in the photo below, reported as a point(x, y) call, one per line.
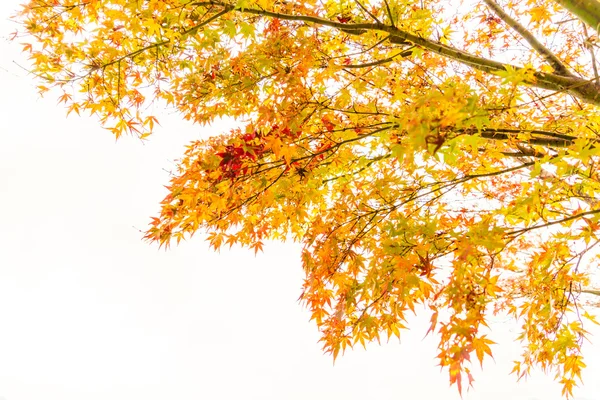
point(415, 171)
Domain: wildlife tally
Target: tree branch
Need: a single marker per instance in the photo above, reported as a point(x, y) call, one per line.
point(367, 11)
point(403, 54)
point(551, 139)
point(586, 90)
point(592, 51)
point(591, 291)
point(188, 32)
point(586, 10)
point(517, 232)
point(389, 12)
point(493, 134)
point(550, 57)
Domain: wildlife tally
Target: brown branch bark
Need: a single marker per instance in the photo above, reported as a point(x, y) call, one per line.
point(536, 136)
point(591, 291)
point(586, 10)
point(550, 57)
point(586, 90)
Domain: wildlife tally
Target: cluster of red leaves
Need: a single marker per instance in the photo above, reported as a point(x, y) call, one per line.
point(234, 160)
point(237, 157)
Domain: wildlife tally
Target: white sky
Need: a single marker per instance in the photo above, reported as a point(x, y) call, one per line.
point(89, 311)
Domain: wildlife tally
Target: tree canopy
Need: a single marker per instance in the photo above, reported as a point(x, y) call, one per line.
point(431, 156)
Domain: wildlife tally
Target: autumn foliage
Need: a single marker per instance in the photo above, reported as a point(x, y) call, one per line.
point(434, 157)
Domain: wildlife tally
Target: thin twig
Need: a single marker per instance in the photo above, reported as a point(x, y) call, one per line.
point(368, 12)
point(389, 12)
point(402, 54)
point(591, 49)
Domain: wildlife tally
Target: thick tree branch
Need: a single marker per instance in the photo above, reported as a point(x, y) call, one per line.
point(536, 136)
point(586, 10)
point(550, 57)
point(591, 291)
point(586, 90)
point(497, 135)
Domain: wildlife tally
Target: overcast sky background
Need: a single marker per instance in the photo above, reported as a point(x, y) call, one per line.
point(89, 311)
